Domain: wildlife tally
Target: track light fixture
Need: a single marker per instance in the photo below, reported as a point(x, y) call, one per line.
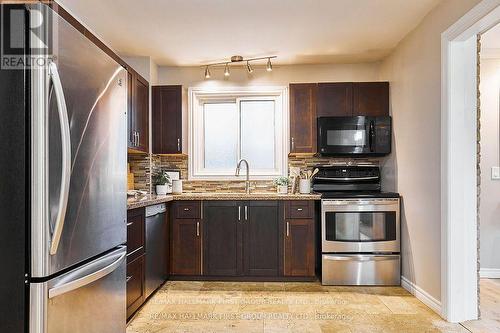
point(238, 59)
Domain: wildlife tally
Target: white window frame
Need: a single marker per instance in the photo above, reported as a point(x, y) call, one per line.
point(199, 96)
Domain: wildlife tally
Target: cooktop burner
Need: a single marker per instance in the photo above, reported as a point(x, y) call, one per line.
point(358, 194)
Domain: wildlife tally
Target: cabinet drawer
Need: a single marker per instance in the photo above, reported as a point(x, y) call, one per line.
point(135, 232)
point(299, 209)
point(188, 210)
point(135, 285)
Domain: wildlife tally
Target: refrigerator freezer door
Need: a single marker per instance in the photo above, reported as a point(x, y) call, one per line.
point(89, 299)
point(79, 128)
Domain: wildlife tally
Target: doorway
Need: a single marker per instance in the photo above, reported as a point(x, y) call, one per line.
point(459, 187)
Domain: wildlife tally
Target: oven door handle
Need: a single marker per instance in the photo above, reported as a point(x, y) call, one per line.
point(361, 257)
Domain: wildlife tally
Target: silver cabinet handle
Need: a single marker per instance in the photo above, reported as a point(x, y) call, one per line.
point(186, 209)
point(299, 209)
point(246, 213)
point(178, 144)
point(138, 138)
point(287, 229)
point(81, 278)
point(128, 278)
point(198, 229)
point(129, 224)
point(239, 213)
point(135, 139)
point(293, 144)
point(66, 158)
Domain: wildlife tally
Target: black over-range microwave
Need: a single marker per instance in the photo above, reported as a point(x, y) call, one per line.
point(354, 136)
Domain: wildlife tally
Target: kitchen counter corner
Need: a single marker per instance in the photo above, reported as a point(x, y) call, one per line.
point(147, 200)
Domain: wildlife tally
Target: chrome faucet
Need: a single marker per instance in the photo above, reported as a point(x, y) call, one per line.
point(247, 182)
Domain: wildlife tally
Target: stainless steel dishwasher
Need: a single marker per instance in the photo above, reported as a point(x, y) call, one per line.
point(156, 247)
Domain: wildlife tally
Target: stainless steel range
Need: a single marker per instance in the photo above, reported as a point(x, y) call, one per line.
point(360, 227)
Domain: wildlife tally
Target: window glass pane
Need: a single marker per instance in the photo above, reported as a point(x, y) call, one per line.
point(258, 133)
point(221, 135)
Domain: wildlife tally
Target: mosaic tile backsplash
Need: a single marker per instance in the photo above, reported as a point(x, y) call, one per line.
point(143, 166)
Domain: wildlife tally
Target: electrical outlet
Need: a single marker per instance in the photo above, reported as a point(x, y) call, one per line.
point(495, 173)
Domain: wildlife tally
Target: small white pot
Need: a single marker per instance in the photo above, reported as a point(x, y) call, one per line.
point(305, 186)
point(161, 189)
point(177, 186)
point(282, 189)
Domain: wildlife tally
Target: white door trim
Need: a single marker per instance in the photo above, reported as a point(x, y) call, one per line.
point(458, 161)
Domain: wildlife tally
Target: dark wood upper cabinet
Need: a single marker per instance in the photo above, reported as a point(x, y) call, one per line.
point(371, 99)
point(303, 117)
point(222, 238)
point(261, 239)
point(167, 119)
point(334, 99)
point(138, 112)
point(142, 112)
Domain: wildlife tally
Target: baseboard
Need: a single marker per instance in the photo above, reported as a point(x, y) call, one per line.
point(490, 273)
point(421, 294)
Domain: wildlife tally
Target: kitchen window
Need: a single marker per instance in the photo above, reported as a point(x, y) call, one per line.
point(226, 126)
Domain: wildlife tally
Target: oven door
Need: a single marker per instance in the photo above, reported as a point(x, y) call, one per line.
point(346, 135)
point(360, 225)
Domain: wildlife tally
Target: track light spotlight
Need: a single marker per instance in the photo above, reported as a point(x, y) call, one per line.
point(226, 70)
point(249, 68)
point(269, 66)
point(207, 73)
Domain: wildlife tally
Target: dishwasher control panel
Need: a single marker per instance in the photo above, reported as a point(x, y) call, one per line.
point(156, 209)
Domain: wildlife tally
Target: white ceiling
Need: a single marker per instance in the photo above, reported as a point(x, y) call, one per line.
point(195, 32)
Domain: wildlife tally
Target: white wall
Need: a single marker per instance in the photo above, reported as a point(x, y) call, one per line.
point(280, 76)
point(490, 150)
point(413, 169)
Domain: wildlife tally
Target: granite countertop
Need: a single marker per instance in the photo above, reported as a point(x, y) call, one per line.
point(244, 196)
point(147, 200)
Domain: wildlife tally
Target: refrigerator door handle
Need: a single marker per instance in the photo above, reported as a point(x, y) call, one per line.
point(66, 157)
point(80, 278)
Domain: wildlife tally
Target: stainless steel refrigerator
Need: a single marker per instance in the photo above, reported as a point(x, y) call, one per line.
point(63, 166)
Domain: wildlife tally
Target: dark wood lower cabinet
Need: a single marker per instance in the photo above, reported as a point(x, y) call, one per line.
point(222, 238)
point(186, 247)
point(299, 247)
point(135, 284)
point(299, 239)
point(261, 239)
point(244, 240)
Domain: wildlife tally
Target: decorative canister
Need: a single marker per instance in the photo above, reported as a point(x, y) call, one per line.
point(305, 186)
point(177, 186)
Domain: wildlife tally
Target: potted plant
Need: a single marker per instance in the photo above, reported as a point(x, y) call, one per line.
point(162, 180)
point(281, 184)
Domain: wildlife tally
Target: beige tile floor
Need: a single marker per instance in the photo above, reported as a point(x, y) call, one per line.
point(209, 307)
